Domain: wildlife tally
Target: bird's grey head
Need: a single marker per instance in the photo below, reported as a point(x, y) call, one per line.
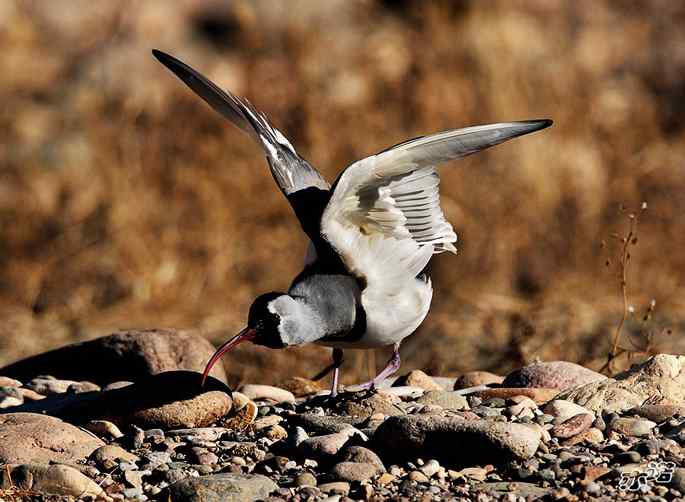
point(271, 318)
point(276, 320)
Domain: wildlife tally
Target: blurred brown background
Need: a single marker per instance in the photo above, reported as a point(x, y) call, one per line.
point(126, 202)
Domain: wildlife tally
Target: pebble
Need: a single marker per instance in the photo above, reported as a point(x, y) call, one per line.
point(365, 406)
point(553, 374)
point(337, 487)
point(8, 401)
point(430, 468)
point(109, 456)
point(637, 427)
point(9, 382)
point(119, 384)
point(362, 455)
point(590, 436)
point(301, 387)
point(539, 395)
point(445, 399)
point(305, 479)
point(418, 476)
point(678, 480)
point(48, 385)
point(104, 428)
point(267, 393)
point(204, 433)
point(573, 426)
point(386, 478)
point(263, 423)
point(354, 471)
point(562, 410)
point(417, 378)
point(659, 412)
point(276, 433)
point(242, 416)
point(404, 391)
point(476, 378)
point(328, 445)
point(81, 387)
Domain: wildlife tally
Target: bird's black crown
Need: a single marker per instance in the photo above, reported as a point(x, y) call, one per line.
point(265, 322)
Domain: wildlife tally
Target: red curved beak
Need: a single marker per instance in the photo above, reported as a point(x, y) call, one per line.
point(246, 334)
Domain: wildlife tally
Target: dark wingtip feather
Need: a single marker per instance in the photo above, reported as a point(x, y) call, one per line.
point(539, 124)
point(178, 67)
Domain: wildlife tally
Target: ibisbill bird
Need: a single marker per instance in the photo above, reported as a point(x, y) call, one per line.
point(371, 234)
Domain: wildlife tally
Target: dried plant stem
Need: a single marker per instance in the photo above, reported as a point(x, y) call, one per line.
point(625, 257)
point(623, 262)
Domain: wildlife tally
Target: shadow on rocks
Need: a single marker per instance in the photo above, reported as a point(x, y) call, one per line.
point(119, 405)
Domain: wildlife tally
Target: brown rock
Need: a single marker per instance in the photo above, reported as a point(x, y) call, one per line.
point(476, 378)
point(30, 395)
point(243, 415)
point(226, 487)
point(276, 433)
point(301, 387)
point(539, 395)
point(359, 454)
point(327, 446)
point(553, 375)
point(364, 406)
point(354, 471)
point(594, 472)
point(103, 428)
point(659, 412)
point(590, 436)
point(267, 421)
point(258, 392)
point(336, 487)
point(9, 382)
point(51, 479)
point(417, 378)
point(446, 399)
point(661, 377)
point(447, 438)
point(29, 437)
point(108, 456)
point(125, 355)
point(199, 411)
point(386, 478)
point(574, 425)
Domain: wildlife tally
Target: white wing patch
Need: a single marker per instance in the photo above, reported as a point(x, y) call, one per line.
point(409, 206)
point(387, 229)
point(384, 217)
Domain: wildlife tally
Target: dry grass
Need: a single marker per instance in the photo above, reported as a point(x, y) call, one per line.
point(125, 202)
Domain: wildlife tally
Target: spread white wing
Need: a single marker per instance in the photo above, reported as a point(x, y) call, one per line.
point(384, 217)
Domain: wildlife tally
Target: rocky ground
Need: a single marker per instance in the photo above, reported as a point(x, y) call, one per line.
point(123, 417)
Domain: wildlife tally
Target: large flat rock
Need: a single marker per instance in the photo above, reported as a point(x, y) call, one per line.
point(125, 355)
point(453, 440)
point(659, 380)
point(27, 438)
point(224, 487)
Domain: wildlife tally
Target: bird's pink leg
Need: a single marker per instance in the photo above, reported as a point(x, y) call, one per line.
point(337, 362)
point(391, 368)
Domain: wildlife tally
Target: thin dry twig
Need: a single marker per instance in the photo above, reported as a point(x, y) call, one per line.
point(627, 241)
